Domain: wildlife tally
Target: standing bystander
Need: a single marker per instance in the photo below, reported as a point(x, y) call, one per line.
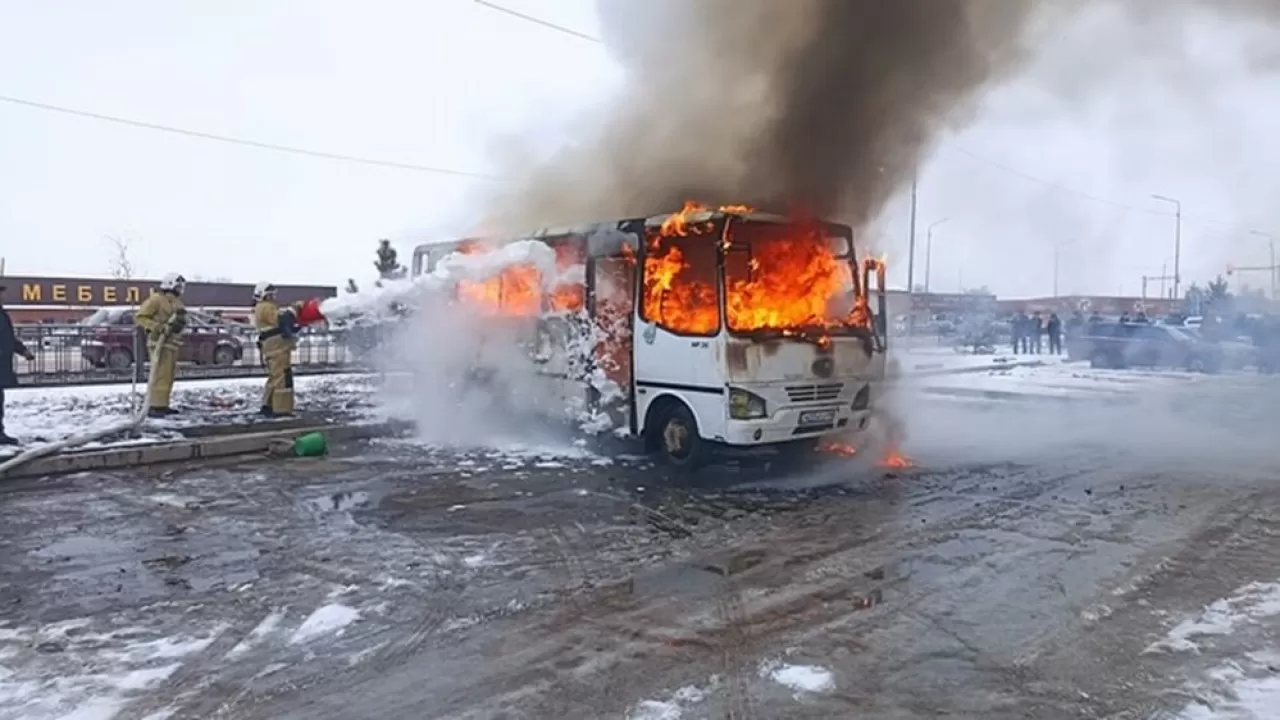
point(1054, 328)
point(10, 345)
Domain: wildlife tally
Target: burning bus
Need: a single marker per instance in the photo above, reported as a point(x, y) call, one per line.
point(698, 330)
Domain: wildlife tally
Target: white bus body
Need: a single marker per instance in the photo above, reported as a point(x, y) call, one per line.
point(685, 392)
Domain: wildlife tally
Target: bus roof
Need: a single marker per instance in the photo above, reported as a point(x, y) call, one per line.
point(709, 215)
point(590, 229)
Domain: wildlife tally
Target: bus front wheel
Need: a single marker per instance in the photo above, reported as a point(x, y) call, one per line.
point(676, 438)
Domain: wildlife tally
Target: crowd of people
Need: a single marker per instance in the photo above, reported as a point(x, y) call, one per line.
point(1028, 332)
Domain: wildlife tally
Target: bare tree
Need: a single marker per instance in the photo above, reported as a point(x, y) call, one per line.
point(120, 264)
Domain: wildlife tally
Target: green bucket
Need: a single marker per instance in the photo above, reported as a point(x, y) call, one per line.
point(311, 445)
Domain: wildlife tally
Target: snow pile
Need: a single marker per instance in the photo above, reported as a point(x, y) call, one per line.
point(377, 302)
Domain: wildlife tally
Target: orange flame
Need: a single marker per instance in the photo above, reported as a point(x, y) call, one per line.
point(782, 278)
point(837, 448)
point(893, 458)
point(789, 281)
point(567, 295)
point(680, 225)
point(677, 294)
point(517, 290)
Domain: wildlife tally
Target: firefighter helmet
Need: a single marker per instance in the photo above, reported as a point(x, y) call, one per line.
point(174, 283)
point(263, 290)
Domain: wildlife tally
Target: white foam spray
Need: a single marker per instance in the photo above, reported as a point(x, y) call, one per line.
point(474, 378)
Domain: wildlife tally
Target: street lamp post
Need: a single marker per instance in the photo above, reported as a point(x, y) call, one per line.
point(1177, 240)
point(928, 251)
point(1271, 245)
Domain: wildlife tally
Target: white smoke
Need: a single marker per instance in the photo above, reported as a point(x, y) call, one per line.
point(470, 378)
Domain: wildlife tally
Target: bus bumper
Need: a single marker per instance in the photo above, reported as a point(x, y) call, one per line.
point(798, 423)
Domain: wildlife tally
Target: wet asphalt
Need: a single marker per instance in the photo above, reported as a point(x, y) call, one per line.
point(1019, 570)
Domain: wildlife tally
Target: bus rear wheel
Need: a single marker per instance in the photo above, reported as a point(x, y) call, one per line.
point(677, 440)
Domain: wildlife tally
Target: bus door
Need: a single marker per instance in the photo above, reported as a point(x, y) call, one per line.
point(611, 293)
point(875, 269)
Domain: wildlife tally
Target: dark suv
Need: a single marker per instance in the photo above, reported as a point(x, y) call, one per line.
point(109, 340)
point(1122, 345)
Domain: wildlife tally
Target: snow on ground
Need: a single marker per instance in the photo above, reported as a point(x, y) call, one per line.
point(330, 619)
point(799, 678)
point(1248, 605)
point(65, 670)
point(934, 359)
point(676, 706)
point(1063, 380)
point(41, 415)
point(49, 414)
point(1239, 684)
point(79, 670)
point(1246, 689)
point(518, 459)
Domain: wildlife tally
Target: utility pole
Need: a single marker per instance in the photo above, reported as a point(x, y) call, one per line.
point(1057, 249)
point(911, 259)
point(1148, 278)
point(928, 252)
point(1271, 244)
point(1177, 240)
point(911, 251)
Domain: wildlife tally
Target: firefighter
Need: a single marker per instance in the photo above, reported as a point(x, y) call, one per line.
point(277, 337)
point(163, 315)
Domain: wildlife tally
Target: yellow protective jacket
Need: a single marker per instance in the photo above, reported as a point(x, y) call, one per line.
point(266, 319)
point(154, 315)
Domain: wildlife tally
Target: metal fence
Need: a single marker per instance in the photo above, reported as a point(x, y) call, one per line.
point(93, 354)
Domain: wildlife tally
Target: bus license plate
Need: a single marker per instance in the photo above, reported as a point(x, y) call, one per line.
point(817, 417)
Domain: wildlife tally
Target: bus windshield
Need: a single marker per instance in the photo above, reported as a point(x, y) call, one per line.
point(787, 278)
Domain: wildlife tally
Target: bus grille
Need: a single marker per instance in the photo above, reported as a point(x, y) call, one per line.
point(814, 393)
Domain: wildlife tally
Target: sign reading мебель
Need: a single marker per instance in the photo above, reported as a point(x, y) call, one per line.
point(94, 292)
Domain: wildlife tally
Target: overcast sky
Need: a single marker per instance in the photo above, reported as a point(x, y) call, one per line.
point(446, 83)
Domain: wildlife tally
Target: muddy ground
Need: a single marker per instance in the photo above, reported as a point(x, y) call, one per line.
point(1022, 569)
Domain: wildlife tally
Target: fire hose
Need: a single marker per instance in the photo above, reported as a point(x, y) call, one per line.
point(134, 423)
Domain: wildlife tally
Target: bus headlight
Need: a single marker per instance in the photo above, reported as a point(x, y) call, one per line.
point(862, 400)
point(744, 405)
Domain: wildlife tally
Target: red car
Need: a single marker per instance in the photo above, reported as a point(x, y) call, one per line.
point(108, 340)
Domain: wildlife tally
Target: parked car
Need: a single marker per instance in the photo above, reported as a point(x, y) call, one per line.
point(1116, 345)
point(109, 340)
